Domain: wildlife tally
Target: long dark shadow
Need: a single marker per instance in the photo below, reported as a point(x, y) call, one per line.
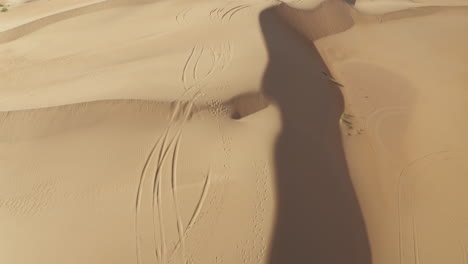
point(318, 220)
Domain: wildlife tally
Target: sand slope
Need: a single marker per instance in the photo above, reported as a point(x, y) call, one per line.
point(156, 131)
point(79, 183)
point(89, 174)
point(402, 76)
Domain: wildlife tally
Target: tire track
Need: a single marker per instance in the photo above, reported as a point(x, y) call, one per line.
point(232, 10)
point(415, 232)
point(201, 201)
point(465, 255)
point(182, 16)
point(237, 10)
point(158, 180)
point(30, 204)
point(226, 54)
point(156, 202)
point(196, 65)
point(166, 144)
point(138, 199)
point(196, 212)
point(380, 115)
point(220, 15)
point(190, 72)
point(402, 175)
point(163, 138)
point(213, 61)
point(461, 244)
point(215, 13)
point(142, 178)
point(174, 174)
point(180, 228)
point(186, 66)
point(212, 12)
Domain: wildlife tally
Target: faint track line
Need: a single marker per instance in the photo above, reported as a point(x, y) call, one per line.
point(138, 198)
point(158, 180)
point(400, 177)
point(197, 211)
point(465, 255)
point(212, 12)
point(166, 145)
point(157, 201)
point(236, 11)
point(190, 72)
point(196, 65)
point(141, 180)
point(233, 10)
point(214, 61)
point(186, 66)
point(461, 244)
point(221, 15)
point(180, 227)
point(181, 16)
point(415, 237)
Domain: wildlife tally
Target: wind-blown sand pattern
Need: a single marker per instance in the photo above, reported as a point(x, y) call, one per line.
point(233, 131)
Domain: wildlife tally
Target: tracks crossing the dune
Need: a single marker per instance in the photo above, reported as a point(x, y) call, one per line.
point(158, 178)
point(170, 142)
point(403, 176)
point(180, 243)
point(225, 14)
point(219, 56)
point(181, 17)
point(463, 249)
point(461, 243)
point(377, 118)
point(180, 227)
point(162, 147)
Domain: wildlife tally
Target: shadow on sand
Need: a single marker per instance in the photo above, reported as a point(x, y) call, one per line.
point(318, 220)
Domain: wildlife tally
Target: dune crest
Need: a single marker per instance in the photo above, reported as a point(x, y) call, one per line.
point(328, 18)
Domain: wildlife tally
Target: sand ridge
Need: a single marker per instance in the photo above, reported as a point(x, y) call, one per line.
point(403, 149)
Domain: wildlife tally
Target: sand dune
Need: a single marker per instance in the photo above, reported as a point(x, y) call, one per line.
point(385, 6)
point(402, 75)
point(248, 131)
point(81, 169)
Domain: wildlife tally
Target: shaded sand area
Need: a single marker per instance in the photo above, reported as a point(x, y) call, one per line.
point(233, 132)
point(403, 75)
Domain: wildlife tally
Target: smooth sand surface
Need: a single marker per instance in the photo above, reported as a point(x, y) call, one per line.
point(403, 76)
point(249, 131)
point(386, 6)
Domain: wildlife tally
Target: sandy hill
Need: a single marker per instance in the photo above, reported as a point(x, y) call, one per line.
point(242, 131)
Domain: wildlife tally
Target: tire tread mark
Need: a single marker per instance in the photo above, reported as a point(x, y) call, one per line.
point(138, 198)
point(400, 177)
point(195, 67)
point(180, 227)
point(230, 10)
point(234, 12)
point(196, 213)
point(184, 74)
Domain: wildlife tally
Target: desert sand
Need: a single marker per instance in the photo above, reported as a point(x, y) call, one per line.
point(226, 132)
